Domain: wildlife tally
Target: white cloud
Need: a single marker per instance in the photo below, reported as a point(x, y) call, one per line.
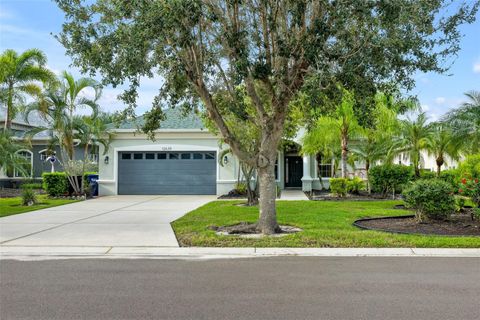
point(425, 107)
point(476, 67)
point(440, 100)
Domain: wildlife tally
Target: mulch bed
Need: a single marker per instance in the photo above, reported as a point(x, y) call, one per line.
point(457, 225)
point(249, 230)
point(233, 194)
point(12, 193)
point(325, 195)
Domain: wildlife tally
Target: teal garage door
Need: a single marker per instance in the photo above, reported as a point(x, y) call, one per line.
point(181, 172)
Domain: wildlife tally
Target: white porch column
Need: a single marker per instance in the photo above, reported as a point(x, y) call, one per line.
point(307, 177)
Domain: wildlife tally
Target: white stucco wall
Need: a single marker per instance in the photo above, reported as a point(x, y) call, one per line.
point(165, 140)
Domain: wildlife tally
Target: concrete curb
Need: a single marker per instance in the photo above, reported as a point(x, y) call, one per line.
point(68, 252)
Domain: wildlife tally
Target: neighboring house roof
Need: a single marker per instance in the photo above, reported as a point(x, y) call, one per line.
point(20, 126)
point(175, 118)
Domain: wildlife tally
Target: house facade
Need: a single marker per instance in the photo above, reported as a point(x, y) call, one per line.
point(183, 159)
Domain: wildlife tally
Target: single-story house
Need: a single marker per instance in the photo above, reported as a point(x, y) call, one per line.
point(183, 159)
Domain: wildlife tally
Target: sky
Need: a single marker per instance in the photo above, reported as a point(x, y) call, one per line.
point(28, 24)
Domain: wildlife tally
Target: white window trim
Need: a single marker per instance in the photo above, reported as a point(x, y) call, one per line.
point(15, 173)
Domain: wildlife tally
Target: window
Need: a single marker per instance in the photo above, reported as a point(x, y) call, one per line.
point(149, 156)
point(324, 167)
point(25, 158)
point(198, 156)
point(126, 156)
point(173, 156)
point(161, 156)
point(93, 157)
point(138, 156)
point(186, 156)
point(43, 156)
point(209, 155)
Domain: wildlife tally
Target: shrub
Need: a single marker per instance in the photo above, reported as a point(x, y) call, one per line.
point(31, 186)
point(449, 176)
point(470, 168)
point(470, 187)
point(355, 185)
point(338, 186)
point(241, 188)
point(431, 199)
point(55, 183)
point(389, 178)
point(427, 174)
point(28, 197)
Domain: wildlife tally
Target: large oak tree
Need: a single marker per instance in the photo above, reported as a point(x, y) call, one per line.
point(201, 47)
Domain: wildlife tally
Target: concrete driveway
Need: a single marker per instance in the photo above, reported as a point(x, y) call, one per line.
point(107, 221)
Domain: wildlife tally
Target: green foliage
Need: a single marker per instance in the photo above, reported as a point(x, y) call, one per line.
point(31, 186)
point(470, 187)
point(338, 186)
point(450, 176)
point(465, 122)
point(355, 185)
point(241, 188)
point(459, 203)
point(427, 174)
point(9, 160)
point(28, 197)
point(389, 177)
point(55, 183)
point(431, 199)
point(470, 167)
point(19, 76)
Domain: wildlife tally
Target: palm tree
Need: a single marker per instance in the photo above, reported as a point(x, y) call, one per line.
point(92, 131)
point(9, 160)
point(57, 106)
point(413, 138)
point(336, 130)
point(441, 143)
point(465, 122)
point(18, 76)
point(374, 143)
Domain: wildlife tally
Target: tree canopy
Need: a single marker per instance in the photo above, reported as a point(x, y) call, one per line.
point(200, 47)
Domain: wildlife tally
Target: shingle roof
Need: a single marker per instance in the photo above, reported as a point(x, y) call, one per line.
point(174, 119)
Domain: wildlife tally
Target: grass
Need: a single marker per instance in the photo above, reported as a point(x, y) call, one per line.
point(10, 206)
point(324, 224)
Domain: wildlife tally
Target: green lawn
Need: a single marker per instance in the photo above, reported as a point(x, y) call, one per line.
point(324, 224)
point(9, 206)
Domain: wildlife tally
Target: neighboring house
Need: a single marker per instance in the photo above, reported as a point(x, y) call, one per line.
point(183, 159)
point(36, 154)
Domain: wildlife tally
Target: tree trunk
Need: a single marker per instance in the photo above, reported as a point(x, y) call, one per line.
point(267, 222)
point(439, 162)
point(9, 111)
point(344, 156)
point(367, 168)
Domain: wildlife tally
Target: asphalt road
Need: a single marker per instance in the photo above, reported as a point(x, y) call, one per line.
point(259, 288)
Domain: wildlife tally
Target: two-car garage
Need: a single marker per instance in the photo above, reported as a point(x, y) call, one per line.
point(167, 172)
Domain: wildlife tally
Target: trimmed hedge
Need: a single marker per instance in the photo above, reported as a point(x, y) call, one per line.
point(55, 184)
point(431, 199)
point(389, 177)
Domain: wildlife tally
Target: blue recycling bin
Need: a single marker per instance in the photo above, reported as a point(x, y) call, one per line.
point(92, 182)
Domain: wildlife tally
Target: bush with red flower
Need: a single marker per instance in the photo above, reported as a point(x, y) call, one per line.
point(470, 187)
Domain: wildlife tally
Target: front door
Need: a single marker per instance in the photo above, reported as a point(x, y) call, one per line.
point(293, 171)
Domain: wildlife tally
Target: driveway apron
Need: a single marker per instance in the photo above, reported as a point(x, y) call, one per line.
point(130, 221)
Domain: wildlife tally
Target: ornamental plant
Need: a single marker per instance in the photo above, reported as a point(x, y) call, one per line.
point(470, 187)
point(431, 199)
point(338, 186)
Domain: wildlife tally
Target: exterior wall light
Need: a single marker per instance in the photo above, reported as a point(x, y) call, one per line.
point(106, 160)
point(225, 160)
